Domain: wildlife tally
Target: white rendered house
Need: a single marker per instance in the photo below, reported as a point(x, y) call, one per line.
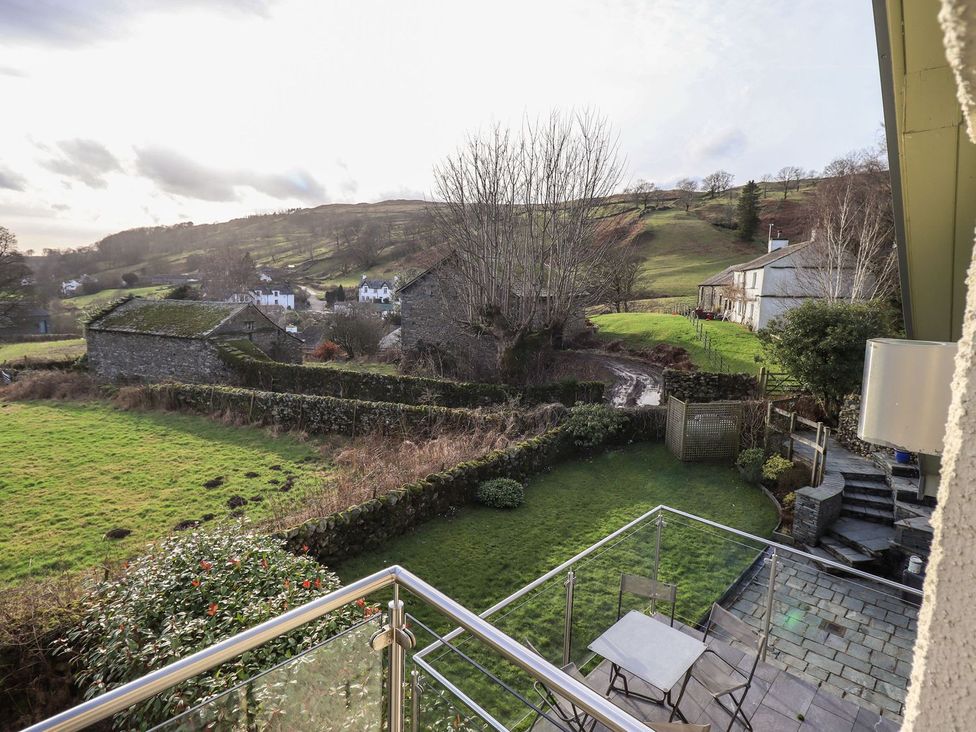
point(376, 290)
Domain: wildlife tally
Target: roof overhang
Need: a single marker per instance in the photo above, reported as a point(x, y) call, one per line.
point(933, 167)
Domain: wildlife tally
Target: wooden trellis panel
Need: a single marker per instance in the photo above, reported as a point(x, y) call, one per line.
point(708, 431)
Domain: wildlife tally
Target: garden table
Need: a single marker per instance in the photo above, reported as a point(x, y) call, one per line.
point(650, 650)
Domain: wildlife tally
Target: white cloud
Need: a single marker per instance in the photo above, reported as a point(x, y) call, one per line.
point(212, 113)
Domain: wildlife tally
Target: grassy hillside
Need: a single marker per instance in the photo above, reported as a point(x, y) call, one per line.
point(737, 345)
point(83, 302)
point(338, 243)
point(47, 351)
point(72, 472)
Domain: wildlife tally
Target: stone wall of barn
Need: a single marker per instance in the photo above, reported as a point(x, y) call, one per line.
point(119, 356)
point(267, 336)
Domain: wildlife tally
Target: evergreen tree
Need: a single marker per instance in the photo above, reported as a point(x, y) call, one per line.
point(340, 294)
point(747, 213)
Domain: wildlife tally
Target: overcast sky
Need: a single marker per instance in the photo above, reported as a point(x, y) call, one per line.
point(122, 113)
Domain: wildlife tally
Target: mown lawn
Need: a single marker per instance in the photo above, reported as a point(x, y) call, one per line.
point(71, 472)
point(362, 367)
point(44, 351)
point(106, 296)
point(737, 345)
point(479, 555)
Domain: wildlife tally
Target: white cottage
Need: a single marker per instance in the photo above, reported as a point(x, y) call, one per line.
point(780, 280)
point(376, 290)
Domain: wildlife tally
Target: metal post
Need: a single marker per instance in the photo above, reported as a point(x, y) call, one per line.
point(414, 701)
point(659, 522)
point(789, 448)
point(568, 618)
point(772, 561)
point(397, 660)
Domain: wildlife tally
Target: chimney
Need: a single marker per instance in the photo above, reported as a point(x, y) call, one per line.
point(779, 242)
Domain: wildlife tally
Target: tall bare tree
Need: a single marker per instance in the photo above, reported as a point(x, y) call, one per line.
point(643, 192)
point(717, 182)
point(687, 188)
point(765, 181)
point(14, 273)
point(519, 212)
point(617, 275)
point(226, 271)
point(852, 255)
point(787, 176)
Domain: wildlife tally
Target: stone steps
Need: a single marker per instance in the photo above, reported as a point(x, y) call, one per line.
point(842, 553)
point(856, 497)
point(874, 487)
point(868, 537)
point(863, 513)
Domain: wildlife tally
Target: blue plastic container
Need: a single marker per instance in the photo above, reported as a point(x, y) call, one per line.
point(902, 457)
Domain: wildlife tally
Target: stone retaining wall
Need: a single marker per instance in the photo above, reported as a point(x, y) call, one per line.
point(705, 386)
point(817, 508)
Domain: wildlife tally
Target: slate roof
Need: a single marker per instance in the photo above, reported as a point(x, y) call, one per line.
point(770, 257)
point(376, 284)
point(269, 287)
point(722, 278)
point(176, 318)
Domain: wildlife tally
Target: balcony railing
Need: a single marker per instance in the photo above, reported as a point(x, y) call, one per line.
point(430, 663)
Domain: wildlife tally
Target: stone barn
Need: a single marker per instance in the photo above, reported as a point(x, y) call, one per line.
point(181, 340)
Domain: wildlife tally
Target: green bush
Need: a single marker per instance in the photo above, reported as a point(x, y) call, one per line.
point(188, 593)
point(501, 493)
point(789, 501)
point(774, 467)
point(750, 464)
point(590, 425)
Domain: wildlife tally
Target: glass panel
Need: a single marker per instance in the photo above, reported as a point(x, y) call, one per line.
point(335, 686)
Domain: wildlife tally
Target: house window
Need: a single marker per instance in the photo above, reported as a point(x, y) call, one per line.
point(249, 325)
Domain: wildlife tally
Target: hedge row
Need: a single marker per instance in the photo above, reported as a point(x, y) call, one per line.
point(707, 386)
point(339, 536)
point(283, 377)
point(315, 414)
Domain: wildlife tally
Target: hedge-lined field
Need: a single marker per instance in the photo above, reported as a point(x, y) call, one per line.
point(68, 350)
point(72, 472)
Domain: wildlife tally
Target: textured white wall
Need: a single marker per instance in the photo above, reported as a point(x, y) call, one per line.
point(942, 695)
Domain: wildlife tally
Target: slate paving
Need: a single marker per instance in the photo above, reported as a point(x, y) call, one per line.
point(778, 701)
point(851, 640)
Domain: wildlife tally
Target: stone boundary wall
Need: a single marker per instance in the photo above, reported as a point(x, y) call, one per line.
point(38, 337)
point(706, 386)
point(315, 414)
point(850, 413)
point(345, 534)
point(817, 508)
point(281, 377)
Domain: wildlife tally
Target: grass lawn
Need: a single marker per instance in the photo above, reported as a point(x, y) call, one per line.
point(73, 471)
point(362, 367)
point(737, 345)
point(480, 555)
point(47, 350)
point(106, 296)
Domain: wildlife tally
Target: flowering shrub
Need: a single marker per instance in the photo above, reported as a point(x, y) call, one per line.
point(590, 425)
point(186, 594)
point(328, 350)
point(501, 493)
point(774, 467)
point(750, 464)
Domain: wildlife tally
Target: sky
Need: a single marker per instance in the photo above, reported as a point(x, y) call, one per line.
point(125, 113)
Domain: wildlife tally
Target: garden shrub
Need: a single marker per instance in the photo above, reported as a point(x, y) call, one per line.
point(327, 350)
point(590, 425)
point(750, 464)
point(501, 493)
point(190, 592)
point(789, 501)
point(775, 466)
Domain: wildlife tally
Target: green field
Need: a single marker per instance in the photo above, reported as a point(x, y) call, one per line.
point(45, 351)
point(82, 302)
point(72, 472)
point(480, 555)
point(684, 250)
point(737, 345)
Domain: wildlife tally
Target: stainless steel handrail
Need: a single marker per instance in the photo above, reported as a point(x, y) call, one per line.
point(114, 701)
point(522, 592)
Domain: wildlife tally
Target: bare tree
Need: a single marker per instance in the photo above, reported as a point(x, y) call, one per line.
point(518, 214)
point(357, 329)
point(717, 182)
point(14, 273)
point(643, 192)
point(226, 271)
point(617, 276)
point(787, 176)
point(687, 187)
point(852, 254)
point(765, 181)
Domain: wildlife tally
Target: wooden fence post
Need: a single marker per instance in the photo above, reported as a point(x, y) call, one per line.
point(769, 417)
point(789, 448)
